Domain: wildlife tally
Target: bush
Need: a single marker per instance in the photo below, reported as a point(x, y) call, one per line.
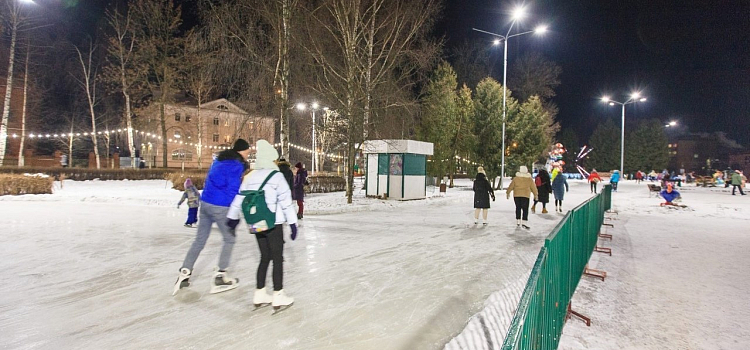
point(83, 174)
point(24, 184)
point(178, 179)
point(325, 184)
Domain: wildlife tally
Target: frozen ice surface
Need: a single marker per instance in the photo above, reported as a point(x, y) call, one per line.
point(93, 265)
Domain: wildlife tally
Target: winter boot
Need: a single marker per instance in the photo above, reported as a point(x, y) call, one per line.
point(281, 300)
point(544, 211)
point(182, 280)
point(261, 298)
point(222, 282)
point(525, 224)
point(533, 208)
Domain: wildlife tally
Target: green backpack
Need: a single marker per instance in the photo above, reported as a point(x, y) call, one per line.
point(257, 215)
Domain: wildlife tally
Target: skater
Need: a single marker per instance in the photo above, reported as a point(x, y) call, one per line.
point(221, 186)
point(594, 179)
point(614, 179)
point(193, 198)
point(278, 198)
point(286, 169)
point(559, 187)
point(544, 188)
point(522, 187)
point(669, 195)
point(298, 191)
point(482, 193)
point(737, 182)
point(638, 176)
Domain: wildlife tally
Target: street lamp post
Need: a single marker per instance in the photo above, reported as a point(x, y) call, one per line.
point(518, 14)
point(634, 97)
point(314, 106)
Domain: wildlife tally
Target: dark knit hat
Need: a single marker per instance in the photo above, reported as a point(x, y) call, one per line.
point(298, 165)
point(240, 145)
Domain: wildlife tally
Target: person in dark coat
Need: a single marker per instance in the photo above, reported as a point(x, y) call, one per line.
point(559, 187)
point(482, 193)
point(298, 190)
point(286, 169)
point(544, 188)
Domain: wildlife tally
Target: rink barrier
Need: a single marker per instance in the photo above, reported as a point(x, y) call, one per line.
point(545, 304)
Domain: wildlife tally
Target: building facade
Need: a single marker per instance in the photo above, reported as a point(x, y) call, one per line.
point(195, 133)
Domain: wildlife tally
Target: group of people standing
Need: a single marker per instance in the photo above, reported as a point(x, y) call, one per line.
point(522, 186)
point(221, 203)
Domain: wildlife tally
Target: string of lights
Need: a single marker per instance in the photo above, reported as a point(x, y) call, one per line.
point(153, 136)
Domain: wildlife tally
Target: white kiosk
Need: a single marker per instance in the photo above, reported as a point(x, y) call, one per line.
point(397, 168)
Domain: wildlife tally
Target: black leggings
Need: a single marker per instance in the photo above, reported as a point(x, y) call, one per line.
point(271, 246)
point(558, 202)
point(593, 186)
point(522, 205)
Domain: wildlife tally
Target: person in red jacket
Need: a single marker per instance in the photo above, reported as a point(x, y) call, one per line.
point(594, 179)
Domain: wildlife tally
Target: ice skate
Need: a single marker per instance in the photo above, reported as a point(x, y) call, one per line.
point(518, 223)
point(189, 225)
point(485, 223)
point(261, 298)
point(281, 301)
point(223, 283)
point(182, 280)
point(525, 224)
point(533, 209)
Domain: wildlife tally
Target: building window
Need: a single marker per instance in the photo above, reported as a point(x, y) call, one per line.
point(189, 135)
point(226, 122)
point(177, 117)
point(177, 134)
point(187, 118)
point(182, 154)
point(216, 138)
point(216, 120)
point(222, 107)
point(227, 139)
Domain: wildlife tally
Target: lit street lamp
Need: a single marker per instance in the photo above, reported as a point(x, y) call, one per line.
point(518, 14)
point(634, 97)
point(314, 106)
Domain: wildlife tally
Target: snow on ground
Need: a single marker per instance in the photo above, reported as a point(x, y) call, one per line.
point(92, 266)
point(677, 278)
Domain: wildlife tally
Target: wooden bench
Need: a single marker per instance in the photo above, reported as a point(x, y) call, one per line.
point(705, 181)
point(656, 189)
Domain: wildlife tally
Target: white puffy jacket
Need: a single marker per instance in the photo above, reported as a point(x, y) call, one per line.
point(278, 196)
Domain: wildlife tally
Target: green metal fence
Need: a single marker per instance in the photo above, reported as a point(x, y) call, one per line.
point(541, 313)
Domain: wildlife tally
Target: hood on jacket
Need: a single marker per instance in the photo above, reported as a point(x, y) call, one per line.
point(265, 155)
point(283, 162)
point(523, 172)
point(188, 183)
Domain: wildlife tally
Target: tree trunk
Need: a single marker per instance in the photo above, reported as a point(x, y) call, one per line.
point(23, 112)
point(8, 91)
point(200, 132)
point(163, 122)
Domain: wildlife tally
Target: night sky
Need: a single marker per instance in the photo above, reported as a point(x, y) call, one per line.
point(690, 58)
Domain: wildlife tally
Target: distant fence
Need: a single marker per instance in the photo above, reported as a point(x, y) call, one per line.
point(541, 313)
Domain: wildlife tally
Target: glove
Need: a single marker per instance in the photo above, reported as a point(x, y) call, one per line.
point(294, 231)
point(232, 223)
point(507, 196)
point(493, 197)
point(178, 206)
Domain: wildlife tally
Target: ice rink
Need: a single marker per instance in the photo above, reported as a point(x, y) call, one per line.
point(93, 265)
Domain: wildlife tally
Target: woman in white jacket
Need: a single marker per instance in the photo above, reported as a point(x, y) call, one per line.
point(271, 242)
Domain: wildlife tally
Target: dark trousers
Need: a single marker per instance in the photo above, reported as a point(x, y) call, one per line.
point(271, 246)
point(192, 216)
point(558, 202)
point(522, 206)
point(593, 186)
point(614, 186)
point(301, 205)
point(734, 187)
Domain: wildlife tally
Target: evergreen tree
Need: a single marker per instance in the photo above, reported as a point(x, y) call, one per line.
point(439, 118)
point(463, 136)
point(488, 122)
point(529, 134)
point(569, 140)
point(646, 147)
point(605, 155)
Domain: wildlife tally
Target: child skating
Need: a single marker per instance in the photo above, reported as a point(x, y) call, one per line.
point(193, 198)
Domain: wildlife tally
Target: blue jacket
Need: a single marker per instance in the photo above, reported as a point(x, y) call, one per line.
point(224, 179)
point(669, 197)
point(559, 186)
point(615, 177)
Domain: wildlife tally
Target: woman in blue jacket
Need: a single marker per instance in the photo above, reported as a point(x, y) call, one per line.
point(559, 187)
point(614, 179)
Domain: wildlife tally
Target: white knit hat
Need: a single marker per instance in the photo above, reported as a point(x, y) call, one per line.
point(265, 155)
point(524, 169)
point(481, 170)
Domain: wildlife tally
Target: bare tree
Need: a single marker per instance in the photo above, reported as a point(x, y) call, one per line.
point(158, 23)
point(88, 82)
point(123, 69)
point(198, 72)
point(25, 100)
